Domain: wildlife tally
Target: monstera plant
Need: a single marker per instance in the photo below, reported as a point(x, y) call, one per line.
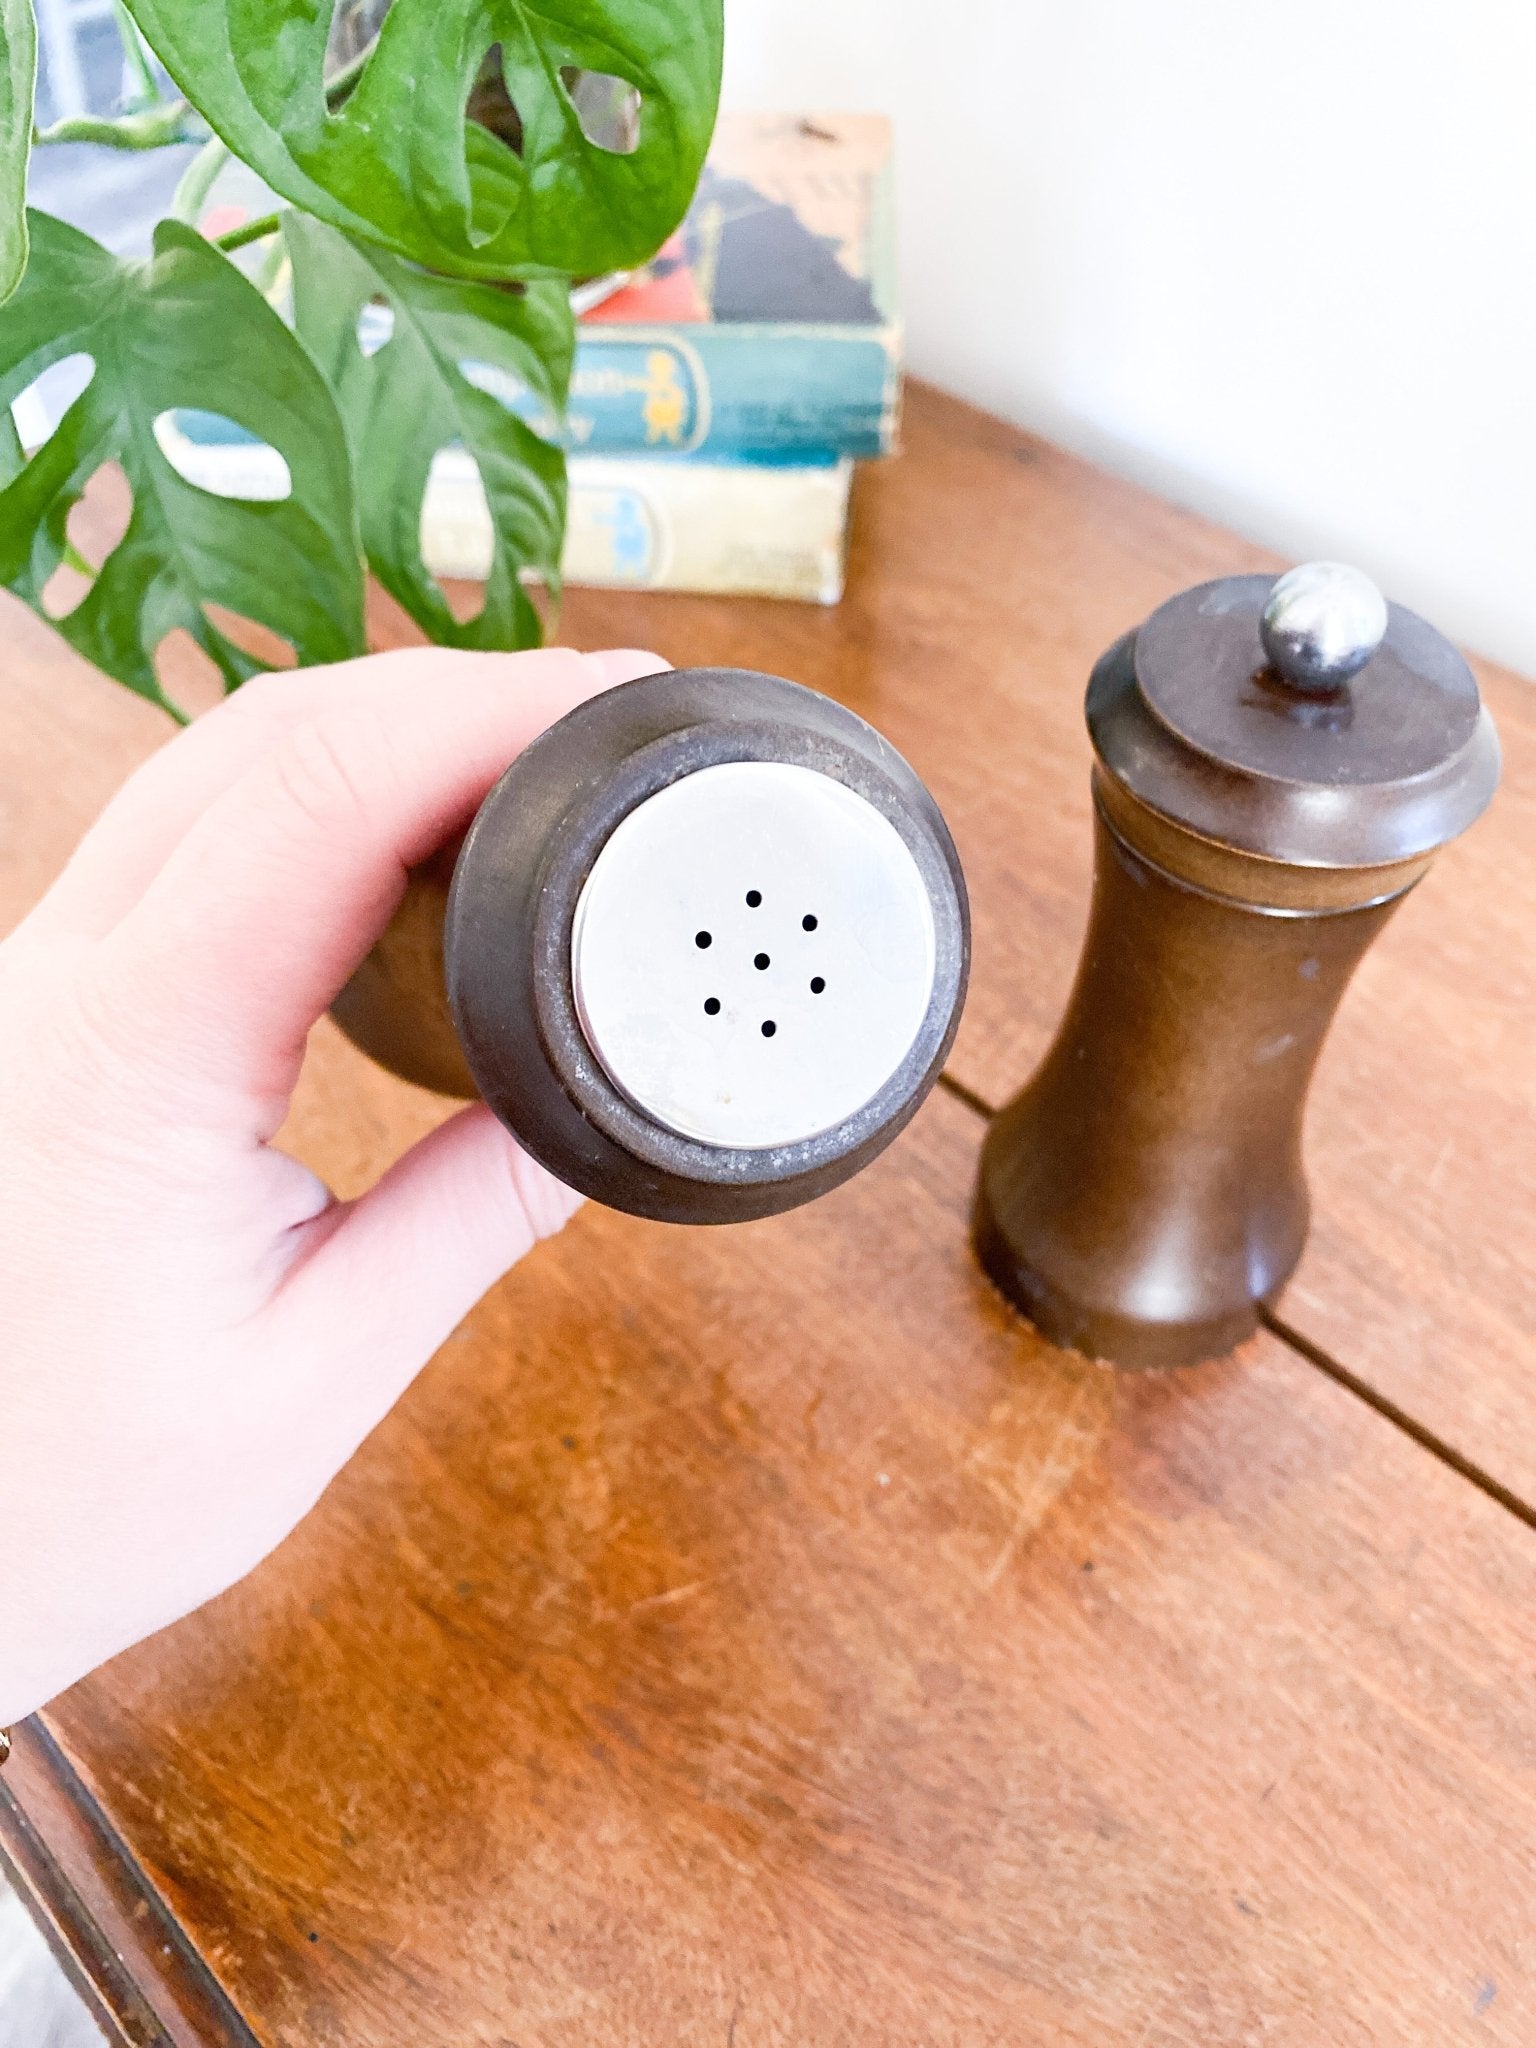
point(449, 174)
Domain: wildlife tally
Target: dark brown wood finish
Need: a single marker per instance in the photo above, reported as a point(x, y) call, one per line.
point(759, 1636)
point(1142, 1198)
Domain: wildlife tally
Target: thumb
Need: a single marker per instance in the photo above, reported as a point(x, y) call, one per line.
point(407, 1262)
point(616, 665)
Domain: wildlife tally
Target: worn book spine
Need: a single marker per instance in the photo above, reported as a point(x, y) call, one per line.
point(767, 530)
point(735, 390)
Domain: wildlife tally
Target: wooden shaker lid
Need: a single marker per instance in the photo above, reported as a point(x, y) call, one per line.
point(1386, 763)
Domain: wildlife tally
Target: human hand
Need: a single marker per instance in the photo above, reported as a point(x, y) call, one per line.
point(194, 1336)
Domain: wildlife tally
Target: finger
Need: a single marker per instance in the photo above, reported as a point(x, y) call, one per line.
point(404, 1266)
point(257, 916)
point(158, 804)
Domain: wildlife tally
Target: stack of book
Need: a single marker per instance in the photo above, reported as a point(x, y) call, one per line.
point(721, 395)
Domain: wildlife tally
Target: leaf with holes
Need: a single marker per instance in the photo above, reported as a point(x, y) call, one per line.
point(398, 163)
point(183, 329)
point(18, 70)
point(407, 397)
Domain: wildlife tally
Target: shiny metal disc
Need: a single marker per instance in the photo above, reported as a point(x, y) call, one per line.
point(752, 955)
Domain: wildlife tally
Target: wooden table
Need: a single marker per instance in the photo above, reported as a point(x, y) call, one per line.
point(760, 1636)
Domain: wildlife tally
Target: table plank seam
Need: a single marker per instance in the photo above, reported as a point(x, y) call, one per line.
point(968, 1096)
point(1314, 1355)
point(1389, 1411)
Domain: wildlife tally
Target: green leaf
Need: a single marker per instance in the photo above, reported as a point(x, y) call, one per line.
point(12, 455)
point(18, 73)
point(183, 329)
point(398, 163)
point(410, 398)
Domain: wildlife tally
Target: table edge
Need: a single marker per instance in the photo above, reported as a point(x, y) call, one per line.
point(105, 1921)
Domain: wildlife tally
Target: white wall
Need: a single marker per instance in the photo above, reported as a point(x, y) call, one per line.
point(1276, 260)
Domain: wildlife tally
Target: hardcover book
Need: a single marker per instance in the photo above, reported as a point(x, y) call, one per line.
point(765, 529)
point(768, 323)
point(752, 529)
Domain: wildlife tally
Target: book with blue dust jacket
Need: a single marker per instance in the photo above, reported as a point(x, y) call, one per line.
point(768, 323)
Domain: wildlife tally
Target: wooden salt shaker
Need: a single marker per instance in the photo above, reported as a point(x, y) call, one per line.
point(1277, 764)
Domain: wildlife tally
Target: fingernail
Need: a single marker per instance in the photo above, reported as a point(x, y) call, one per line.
point(616, 665)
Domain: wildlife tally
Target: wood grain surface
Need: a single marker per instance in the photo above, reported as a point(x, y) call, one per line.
point(1420, 1273)
point(989, 571)
point(758, 1636)
point(760, 1631)
point(139, 1976)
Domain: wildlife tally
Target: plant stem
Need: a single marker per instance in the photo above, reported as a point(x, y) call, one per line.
point(271, 267)
point(340, 83)
point(191, 195)
point(171, 120)
point(251, 231)
point(149, 130)
point(136, 55)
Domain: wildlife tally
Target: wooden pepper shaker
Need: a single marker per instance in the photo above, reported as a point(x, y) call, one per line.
point(1277, 764)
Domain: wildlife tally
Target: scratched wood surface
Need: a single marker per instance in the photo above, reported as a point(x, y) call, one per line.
point(989, 572)
point(758, 1635)
point(139, 1978)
